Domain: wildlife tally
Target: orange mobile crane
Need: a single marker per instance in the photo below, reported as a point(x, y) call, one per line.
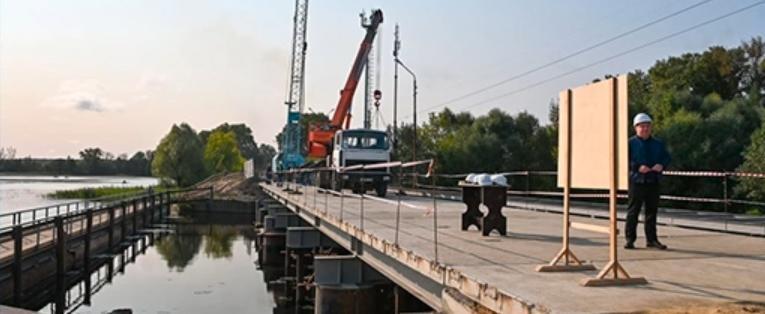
point(320, 136)
point(351, 147)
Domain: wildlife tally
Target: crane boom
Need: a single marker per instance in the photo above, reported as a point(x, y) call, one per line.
point(320, 137)
point(346, 95)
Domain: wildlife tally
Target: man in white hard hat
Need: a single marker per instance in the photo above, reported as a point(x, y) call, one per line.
point(648, 158)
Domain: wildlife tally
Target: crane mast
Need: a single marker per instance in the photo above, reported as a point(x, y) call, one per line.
point(291, 154)
point(297, 65)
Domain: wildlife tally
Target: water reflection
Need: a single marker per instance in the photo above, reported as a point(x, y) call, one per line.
point(218, 241)
point(178, 250)
point(173, 277)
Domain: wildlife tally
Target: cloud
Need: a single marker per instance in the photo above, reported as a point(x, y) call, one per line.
point(89, 105)
point(81, 95)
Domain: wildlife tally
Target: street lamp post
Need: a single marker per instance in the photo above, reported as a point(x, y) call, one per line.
point(414, 116)
point(396, 48)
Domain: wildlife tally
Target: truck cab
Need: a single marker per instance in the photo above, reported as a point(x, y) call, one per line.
point(360, 147)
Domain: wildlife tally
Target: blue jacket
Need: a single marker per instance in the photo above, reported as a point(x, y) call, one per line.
point(648, 152)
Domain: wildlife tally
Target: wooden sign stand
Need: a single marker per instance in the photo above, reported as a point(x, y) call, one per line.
point(570, 261)
point(613, 274)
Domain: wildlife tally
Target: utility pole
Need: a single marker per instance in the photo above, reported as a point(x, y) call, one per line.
point(396, 47)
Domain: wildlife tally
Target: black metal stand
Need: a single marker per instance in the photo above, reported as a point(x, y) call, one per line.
point(471, 196)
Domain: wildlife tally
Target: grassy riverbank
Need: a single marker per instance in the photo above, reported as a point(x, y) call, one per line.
point(104, 191)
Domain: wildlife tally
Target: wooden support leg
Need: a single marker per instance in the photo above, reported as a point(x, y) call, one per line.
point(570, 263)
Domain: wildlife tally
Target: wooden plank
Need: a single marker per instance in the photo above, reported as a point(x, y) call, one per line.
point(592, 227)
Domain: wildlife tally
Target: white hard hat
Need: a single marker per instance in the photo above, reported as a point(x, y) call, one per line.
point(641, 118)
point(483, 179)
point(470, 178)
point(499, 179)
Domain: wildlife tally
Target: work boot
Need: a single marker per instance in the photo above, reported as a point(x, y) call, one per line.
point(629, 245)
point(656, 245)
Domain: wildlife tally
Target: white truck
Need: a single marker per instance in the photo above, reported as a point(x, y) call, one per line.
point(358, 147)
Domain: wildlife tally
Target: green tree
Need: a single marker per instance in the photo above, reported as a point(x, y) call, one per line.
point(754, 161)
point(244, 140)
point(91, 158)
point(222, 153)
point(178, 157)
point(265, 155)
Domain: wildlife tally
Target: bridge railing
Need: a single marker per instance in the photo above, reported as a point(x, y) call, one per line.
point(42, 214)
point(302, 186)
point(521, 185)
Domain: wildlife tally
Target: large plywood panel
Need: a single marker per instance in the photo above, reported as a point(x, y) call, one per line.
point(590, 134)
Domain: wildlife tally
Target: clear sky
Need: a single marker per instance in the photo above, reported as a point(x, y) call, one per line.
point(117, 74)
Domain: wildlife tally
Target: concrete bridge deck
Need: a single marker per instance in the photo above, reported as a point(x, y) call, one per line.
point(498, 272)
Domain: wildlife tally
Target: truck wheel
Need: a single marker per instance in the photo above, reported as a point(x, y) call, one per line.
point(381, 189)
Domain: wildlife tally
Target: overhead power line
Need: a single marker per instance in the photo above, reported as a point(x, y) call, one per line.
point(569, 56)
point(623, 53)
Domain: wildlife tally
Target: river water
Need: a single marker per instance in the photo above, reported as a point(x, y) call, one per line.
point(203, 264)
point(206, 264)
point(28, 191)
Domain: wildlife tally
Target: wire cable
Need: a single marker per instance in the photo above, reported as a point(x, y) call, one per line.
point(569, 56)
point(623, 53)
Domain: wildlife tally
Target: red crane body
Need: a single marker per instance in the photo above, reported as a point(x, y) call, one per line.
point(320, 136)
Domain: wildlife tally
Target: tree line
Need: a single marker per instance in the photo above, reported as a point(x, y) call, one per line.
point(91, 161)
point(182, 157)
point(707, 107)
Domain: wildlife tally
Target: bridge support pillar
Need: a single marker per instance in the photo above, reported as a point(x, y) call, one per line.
point(302, 243)
point(273, 235)
point(344, 284)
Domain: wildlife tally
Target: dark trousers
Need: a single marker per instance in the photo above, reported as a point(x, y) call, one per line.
point(640, 194)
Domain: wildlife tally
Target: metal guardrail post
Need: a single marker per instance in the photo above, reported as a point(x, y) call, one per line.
point(148, 213)
point(147, 202)
point(162, 204)
point(363, 191)
point(435, 214)
point(111, 227)
point(326, 202)
point(342, 197)
point(18, 259)
point(725, 192)
point(123, 222)
point(398, 202)
point(60, 265)
point(135, 213)
point(86, 254)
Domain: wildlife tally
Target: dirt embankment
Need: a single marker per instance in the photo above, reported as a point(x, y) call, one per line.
point(229, 186)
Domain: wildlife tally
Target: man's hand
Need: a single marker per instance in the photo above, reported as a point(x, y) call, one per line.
point(644, 169)
point(658, 168)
